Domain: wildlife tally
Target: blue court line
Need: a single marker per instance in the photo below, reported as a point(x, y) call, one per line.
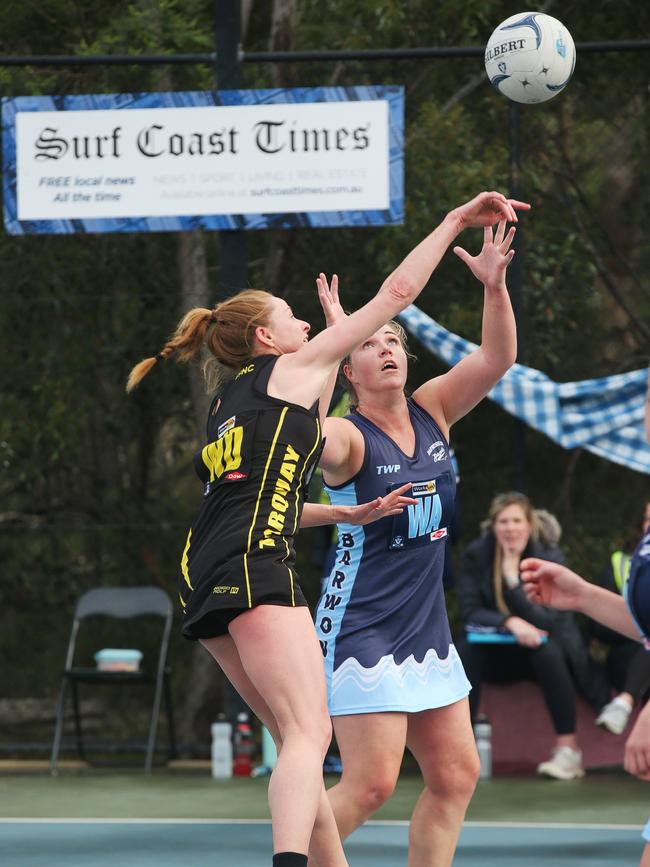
point(209, 843)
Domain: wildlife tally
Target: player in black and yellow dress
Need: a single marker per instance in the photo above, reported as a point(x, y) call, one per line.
point(255, 467)
point(239, 588)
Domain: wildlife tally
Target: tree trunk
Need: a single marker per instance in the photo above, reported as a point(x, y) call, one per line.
point(193, 272)
point(280, 39)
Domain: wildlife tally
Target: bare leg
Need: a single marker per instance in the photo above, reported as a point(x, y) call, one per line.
point(371, 746)
point(325, 845)
point(442, 742)
point(645, 858)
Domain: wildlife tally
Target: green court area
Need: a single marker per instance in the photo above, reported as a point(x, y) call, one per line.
point(612, 799)
point(94, 818)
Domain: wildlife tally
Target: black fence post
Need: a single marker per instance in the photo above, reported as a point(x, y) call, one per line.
point(228, 75)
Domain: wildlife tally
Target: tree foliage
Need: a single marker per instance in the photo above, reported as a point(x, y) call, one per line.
point(98, 488)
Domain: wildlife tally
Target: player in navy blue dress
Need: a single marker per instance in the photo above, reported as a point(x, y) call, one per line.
point(239, 589)
point(558, 587)
point(394, 677)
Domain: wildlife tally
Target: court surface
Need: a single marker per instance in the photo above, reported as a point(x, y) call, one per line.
point(244, 843)
point(169, 819)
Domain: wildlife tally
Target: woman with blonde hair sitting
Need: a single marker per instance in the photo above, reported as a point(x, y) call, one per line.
point(541, 644)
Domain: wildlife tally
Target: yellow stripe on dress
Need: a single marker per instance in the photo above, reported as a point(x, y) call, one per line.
point(257, 504)
point(184, 564)
point(293, 598)
point(302, 472)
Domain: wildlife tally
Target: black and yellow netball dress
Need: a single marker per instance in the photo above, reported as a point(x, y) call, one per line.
point(255, 468)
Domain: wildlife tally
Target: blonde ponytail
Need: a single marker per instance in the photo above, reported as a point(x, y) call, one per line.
point(185, 342)
point(227, 333)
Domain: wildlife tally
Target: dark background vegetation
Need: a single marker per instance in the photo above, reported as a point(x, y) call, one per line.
point(98, 488)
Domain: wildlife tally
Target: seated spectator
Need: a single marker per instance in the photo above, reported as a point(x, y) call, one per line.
point(628, 664)
point(546, 645)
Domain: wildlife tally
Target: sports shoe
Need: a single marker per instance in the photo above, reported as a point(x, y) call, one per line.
point(564, 764)
point(614, 716)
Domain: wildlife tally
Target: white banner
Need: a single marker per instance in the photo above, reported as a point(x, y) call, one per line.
point(246, 159)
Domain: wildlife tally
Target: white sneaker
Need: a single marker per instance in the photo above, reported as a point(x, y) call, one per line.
point(614, 716)
point(564, 764)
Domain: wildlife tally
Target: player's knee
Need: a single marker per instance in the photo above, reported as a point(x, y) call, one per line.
point(314, 730)
point(455, 781)
point(373, 793)
point(318, 730)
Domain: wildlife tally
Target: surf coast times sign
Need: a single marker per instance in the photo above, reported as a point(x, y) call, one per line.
point(239, 159)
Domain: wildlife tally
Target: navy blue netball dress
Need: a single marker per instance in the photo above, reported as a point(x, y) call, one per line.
point(637, 588)
point(382, 620)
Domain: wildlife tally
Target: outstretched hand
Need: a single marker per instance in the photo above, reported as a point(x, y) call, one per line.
point(391, 504)
point(490, 265)
point(551, 584)
point(486, 209)
point(328, 295)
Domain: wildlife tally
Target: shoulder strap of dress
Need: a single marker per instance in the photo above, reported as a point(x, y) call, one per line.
point(263, 367)
point(425, 416)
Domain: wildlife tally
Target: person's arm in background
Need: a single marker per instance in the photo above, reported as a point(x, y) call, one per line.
point(473, 608)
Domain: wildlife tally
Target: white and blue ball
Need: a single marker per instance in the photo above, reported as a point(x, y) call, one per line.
point(530, 57)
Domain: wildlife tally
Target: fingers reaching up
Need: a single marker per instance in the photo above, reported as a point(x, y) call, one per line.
point(328, 295)
point(491, 263)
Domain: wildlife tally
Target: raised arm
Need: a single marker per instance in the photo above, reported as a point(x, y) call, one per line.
point(451, 396)
point(300, 376)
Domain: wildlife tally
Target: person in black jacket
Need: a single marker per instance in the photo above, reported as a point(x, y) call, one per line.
point(547, 645)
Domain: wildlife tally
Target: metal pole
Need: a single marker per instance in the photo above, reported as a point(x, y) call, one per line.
point(368, 54)
point(227, 72)
point(516, 291)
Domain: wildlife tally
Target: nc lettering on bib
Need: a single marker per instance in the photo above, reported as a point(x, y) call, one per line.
point(425, 522)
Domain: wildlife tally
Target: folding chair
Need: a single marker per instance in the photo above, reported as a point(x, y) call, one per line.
point(122, 603)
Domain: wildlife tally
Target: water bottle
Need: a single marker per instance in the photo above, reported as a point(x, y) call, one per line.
point(244, 747)
point(269, 750)
point(483, 735)
point(221, 749)
point(269, 755)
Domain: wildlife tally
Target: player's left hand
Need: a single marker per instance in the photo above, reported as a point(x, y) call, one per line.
point(490, 265)
point(328, 295)
point(391, 504)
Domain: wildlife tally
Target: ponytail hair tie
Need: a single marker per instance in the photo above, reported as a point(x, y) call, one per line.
point(160, 357)
point(213, 316)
